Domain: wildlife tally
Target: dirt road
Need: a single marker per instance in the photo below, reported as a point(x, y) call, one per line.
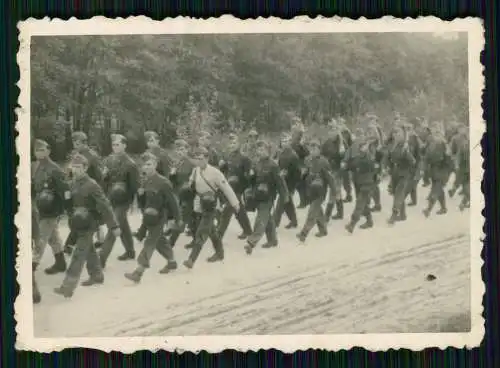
point(373, 281)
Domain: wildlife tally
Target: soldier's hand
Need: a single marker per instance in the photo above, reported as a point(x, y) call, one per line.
point(251, 173)
point(116, 232)
point(105, 171)
point(303, 171)
point(221, 163)
point(140, 191)
point(342, 165)
point(67, 194)
point(178, 225)
point(236, 208)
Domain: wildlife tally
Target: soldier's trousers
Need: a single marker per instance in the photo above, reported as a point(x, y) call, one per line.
point(84, 254)
point(155, 240)
point(241, 217)
point(315, 216)
point(302, 190)
point(125, 235)
point(413, 181)
point(288, 208)
point(206, 229)
point(264, 224)
point(346, 182)
point(48, 233)
point(362, 204)
point(437, 190)
point(401, 185)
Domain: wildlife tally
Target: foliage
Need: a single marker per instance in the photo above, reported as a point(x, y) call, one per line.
point(231, 82)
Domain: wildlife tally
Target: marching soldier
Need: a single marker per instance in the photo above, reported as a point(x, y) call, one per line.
point(266, 184)
point(121, 179)
point(49, 192)
point(290, 166)
point(318, 179)
point(208, 181)
point(456, 144)
point(424, 135)
point(376, 134)
point(237, 171)
point(462, 171)
point(158, 200)
point(415, 148)
point(94, 171)
point(88, 206)
point(35, 233)
point(438, 165)
point(346, 178)
point(360, 160)
point(153, 143)
point(402, 166)
point(180, 176)
point(163, 168)
point(334, 149)
point(301, 150)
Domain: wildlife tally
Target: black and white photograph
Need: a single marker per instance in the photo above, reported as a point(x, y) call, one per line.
point(250, 184)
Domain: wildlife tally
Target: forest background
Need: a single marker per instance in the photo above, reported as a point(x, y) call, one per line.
point(183, 84)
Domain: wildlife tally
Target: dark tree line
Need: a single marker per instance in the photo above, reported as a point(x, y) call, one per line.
point(236, 82)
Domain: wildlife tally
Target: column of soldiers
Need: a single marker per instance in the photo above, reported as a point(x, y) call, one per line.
point(197, 192)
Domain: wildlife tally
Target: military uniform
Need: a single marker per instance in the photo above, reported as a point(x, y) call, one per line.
point(302, 152)
point(88, 206)
point(237, 171)
point(180, 178)
point(438, 166)
point(158, 200)
point(460, 152)
point(266, 184)
point(207, 182)
point(333, 149)
point(120, 184)
point(290, 166)
point(318, 179)
point(360, 160)
point(402, 166)
point(48, 191)
point(346, 178)
point(94, 171)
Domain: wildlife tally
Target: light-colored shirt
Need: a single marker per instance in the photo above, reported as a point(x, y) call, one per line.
point(211, 175)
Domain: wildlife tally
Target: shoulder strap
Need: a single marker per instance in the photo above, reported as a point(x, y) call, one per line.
point(205, 180)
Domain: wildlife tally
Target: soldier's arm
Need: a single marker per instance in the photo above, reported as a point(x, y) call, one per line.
point(280, 183)
point(172, 201)
point(103, 206)
point(327, 175)
point(224, 186)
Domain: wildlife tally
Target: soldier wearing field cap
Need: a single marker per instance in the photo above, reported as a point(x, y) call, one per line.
point(159, 202)
point(49, 192)
point(361, 161)
point(438, 164)
point(290, 170)
point(208, 182)
point(94, 171)
point(318, 180)
point(301, 150)
point(88, 205)
point(266, 183)
point(180, 176)
point(334, 149)
point(402, 164)
point(375, 132)
point(237, 171)
point(153, 143)
point(121, 181)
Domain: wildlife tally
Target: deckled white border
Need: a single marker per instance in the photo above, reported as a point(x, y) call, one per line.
point(229, 24)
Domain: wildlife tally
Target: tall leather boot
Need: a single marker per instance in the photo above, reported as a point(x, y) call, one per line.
point(58, 266)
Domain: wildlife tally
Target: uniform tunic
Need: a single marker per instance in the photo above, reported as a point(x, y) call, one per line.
point(47, 178)
point(267, 183)
point(87, 194)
